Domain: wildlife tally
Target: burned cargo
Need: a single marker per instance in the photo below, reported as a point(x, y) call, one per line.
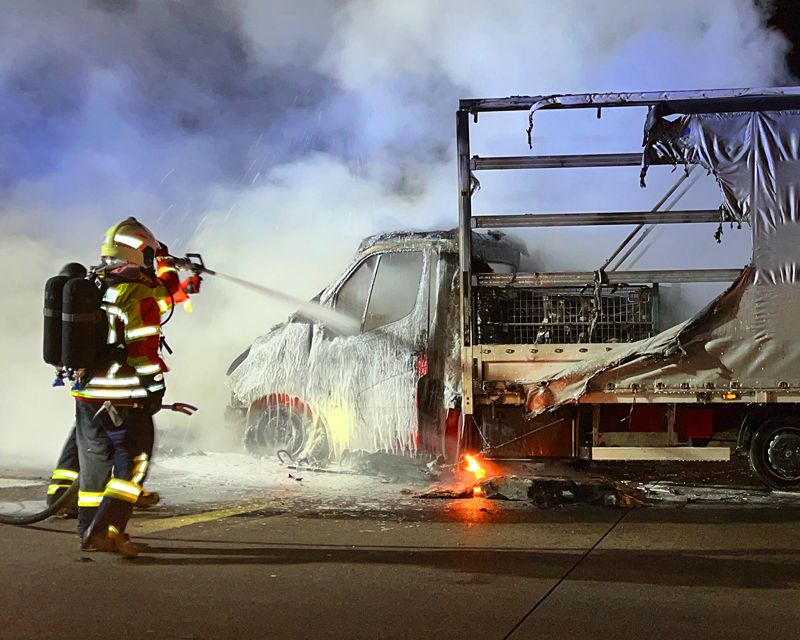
point(565, 315)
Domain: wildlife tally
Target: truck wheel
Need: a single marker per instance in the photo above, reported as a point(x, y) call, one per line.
point(279, 426)
point(775, 452)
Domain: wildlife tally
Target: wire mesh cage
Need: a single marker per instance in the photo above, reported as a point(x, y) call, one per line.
point(565, 315)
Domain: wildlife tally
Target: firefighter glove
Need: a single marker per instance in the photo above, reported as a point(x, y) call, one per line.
point(192, 284)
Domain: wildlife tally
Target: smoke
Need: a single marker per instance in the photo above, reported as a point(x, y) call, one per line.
point(272, 136)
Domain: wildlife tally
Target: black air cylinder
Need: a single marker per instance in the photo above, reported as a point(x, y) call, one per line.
point(82, 325)
point(53, 295)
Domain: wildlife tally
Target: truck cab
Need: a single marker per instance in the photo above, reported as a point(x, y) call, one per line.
point(309, 391)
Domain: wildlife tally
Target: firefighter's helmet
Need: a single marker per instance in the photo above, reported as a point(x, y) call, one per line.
point(130, 241)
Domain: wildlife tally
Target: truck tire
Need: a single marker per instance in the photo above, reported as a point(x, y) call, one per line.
point(775, 452)
point(282, 427)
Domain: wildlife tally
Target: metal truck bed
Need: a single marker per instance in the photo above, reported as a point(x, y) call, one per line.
point(549, 350)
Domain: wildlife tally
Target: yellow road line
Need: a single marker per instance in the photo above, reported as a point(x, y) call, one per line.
point(164, 524)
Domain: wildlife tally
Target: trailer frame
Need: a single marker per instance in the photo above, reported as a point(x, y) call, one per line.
point(682, 102)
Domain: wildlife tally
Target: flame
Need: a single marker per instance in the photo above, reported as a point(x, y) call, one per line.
point(188, 306)
point(474, 468)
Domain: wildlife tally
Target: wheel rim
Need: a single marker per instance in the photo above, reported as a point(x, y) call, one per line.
point(783, 454)
point(282, 428)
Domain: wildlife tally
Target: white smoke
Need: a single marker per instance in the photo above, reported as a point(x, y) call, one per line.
point(271, 137)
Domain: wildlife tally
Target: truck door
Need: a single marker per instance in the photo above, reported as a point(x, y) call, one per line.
point(373, 376)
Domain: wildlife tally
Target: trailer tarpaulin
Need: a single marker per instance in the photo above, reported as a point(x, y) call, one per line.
point(747, 337)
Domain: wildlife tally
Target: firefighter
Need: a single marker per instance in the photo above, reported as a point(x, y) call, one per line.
point(68, 466)
point(115, 405)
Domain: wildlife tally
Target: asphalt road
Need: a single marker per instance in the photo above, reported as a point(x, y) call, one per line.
point(471, 568)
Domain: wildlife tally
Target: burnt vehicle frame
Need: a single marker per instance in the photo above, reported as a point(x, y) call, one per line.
point(674, 379)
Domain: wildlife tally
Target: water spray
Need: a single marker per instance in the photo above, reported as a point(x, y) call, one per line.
point(340, 322)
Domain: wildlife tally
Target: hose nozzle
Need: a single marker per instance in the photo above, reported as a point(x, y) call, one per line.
point(192, 262)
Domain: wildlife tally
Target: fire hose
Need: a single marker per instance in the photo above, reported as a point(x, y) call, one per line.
point(32, 518)
point(71, 493)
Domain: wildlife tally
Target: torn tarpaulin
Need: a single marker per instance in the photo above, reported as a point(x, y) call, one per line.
point(753, 155)
point(747, 337)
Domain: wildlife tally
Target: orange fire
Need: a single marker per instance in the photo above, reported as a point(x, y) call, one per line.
point(474, 468)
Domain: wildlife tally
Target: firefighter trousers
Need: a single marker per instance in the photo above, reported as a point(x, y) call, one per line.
point(66, 470)
point(105, 503)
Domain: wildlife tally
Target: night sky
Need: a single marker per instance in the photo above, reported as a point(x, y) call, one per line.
point(786, 18)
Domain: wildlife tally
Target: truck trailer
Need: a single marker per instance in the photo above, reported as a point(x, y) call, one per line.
point(467, 345)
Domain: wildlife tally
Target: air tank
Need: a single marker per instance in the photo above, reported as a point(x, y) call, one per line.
point(83, 326)
point(53, 296)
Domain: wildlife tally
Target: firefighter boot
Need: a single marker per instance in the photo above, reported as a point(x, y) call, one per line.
point(147, 499)
point(120, 544)
point(125, 547)
point(67, 512)
point(68, 509)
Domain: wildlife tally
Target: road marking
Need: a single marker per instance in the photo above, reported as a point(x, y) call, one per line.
point(566, 575)
point(11, 483)
point(156, 525)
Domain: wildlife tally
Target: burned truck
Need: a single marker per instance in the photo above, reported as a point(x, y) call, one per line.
point(465, 345)
point(308, 390)
point(311, 391)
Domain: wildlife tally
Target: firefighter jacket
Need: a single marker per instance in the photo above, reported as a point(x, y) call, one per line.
point(134, 304)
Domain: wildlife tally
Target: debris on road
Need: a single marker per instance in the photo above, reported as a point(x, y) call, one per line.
point(388, 466)
point(447, 493)
point(548, 492)
point(681, 493)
